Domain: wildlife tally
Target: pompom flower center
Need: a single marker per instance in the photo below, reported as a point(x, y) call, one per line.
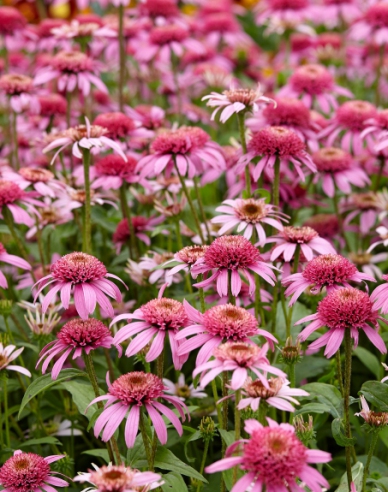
point(243, 353)
point(137, 388)
point(354, 114)
point(244, 96)
point(167, 34)
point(117, 124)
point(288, 4)
point(190, 254)
point(36, 175)
point(377, 15)
point(115, 165)
point(180, 141)
point(231, 252)
point(299, 235)
point(14, 84)
point(165, 314)
point(313, 79)
point(288, 111)
point(329, 269)
point(72, 62)
point(256, 389)
point(24, 472)
point(78, 268)
point(9, 192)
point(112, 478)
point(230, 322)
point(276, 140)
point(84, 333)
point(332, 160)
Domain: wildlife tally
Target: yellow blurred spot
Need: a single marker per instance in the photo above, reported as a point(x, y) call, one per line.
point(61, 11)
point(189, 9)
point(248, 4)
point(268, 72)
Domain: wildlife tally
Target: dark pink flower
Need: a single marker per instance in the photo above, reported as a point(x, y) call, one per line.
point(140, 225)
point(379, 296)
point(373, 25)
point(11, 260)
point(111, 171)
point(126, 397)
point(344, 309)
point(11, 195)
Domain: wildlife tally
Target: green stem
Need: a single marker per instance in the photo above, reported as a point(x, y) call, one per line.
point(263, 407)
point(258, 302)
point(6, 417)
point(201, 208)
point(159, 372)
point(340, 220)
point(241, 125)
point(378, 74)
point(380, 173)
point(237, 428)
point(40, 247)
point(203, 462)
point(348, 375)
point(276, 183)
point(87, 226)
point(122, 57)
point(15, 144)
point(375, 438)
point(146, 441)
point(339, 371)
point(191, 204)
point(133, 247)
point(215, 396)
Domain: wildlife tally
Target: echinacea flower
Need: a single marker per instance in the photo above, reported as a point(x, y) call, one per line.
point(249, 214)
point(368, 263)
point(42, 180)
point(184, 259)
point(374, 419)
point(379, 295)
point(11, 20)
point(382, 231)
point(182, 390)
point(236, 100)
point(24, 472)
point(141, 225)
point(12, 196)
point(336, 168)
point(232, 254)
point(328, 271)
point(120, 126)
point(86, 137)
point(86, 277)
point(314, 83)
point(372, 25)
point(238, 357)
point(126, 397)
point(78, 336)
point(276, 142)
point(376, 131)
point(274, 458)
point(18, 88)
point(344, 309)
point(150, 264)
point(119, 478)
point(305, 237)
point(367, 206)
point(157, 319)
point(7, 355)
point(11, 260)
point(278, 394)
point(219, 324)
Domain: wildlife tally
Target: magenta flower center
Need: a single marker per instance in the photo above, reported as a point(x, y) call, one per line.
point(332, 160)
point(9, 192)
point(299, 235)
point(112, 478)
point(231, 252)
point(230, 322)
point(276, 140)
point(167, 34)
point(180, 141)
point(159, 8)
point(329, 269)
point(256, 389)
point(11, 20)
point(36, 175)
point(288, 111)
point(243, 353)
point(313, 79)
point(251, 210)
point(84, 333)
point(14, 84)
point(190, 254)
point(288, 4)
point(275, 455)
point(115, 165)
point(165, 314)
point(137, 388)
point(118, 124)
point(24, 472)
point(52, 104)
point(354, 114)
point(377, 15)
point(72, 62)
point(382, 119)
point(347, 308)
point(78, 268)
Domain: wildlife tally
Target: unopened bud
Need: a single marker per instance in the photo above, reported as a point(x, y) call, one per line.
point(207, 428)
point(5, 307)
point(64, 465)
point(304, 430)
point(291, 352)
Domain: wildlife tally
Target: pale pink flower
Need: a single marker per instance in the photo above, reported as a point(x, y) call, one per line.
point(314, 83)
point(334, 13)
point(373, 25)
point(278, 394)
point(141, 225)
point(7, 355)
point(382, 231)
point(327, 270)
point(86, 277)
point(345, 309)
point(374, 419)
point(72, 198)
point(249, 215)
point(219, 324)
point(184, 259)
point(157, 319)
point(126, 397)
point(289, 13)
point(42, 180)
point(73, 69)
point(18, 88)
point(182, 390)
point(367, 206)
point(236, 100)
point(305, 237)
point(158, 275)
point(24, 472)
point(11, 195)
point(336, 168)
point(78, 336)
point(274, 458)
point(379, 296)
point(368, 263)
point(11, 260)
point(232, 254)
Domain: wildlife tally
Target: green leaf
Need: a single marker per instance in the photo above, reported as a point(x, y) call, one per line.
point(82, 394)
point(357, 472)
point(369, 360)
point(137, 453)
point(99, 453)
point(45, 382)
point(227, 436)
point(313, 408)
point(327, 394)
point(166, 460)
point(376, 393)
point(173, 482)
point(338, 433)
point(194, 437)
point(42, 440)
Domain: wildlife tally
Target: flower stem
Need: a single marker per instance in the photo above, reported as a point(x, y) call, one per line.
point(339, 371)
point(159, 372)
point(203, 462)
point(215, 396)
point(258, 302)
point(348, 375)
point(191, 204)
point(375, 438)
point(146, 441)
point(263, 407)
point(276, 183)
point(380, 173)
point(122, 57)
point(201, 208)
point(15, 146)
point(241, 125)
point(6, 416)
point(133, 249)
point(87, 239)
point(237, 415)
point(340, 220)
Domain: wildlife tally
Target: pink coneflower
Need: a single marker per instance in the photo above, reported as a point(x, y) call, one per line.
point(328, 271)
point(156, 319)
point(276, 142)
point(337, 169)
point(24, 472)
point(284, 12)
point(52, 105)
point(73, 69)
point(80, 336)
point(182, 390)
point(90, 137)
point(127, 395)
point(42, 180)
point(111, 171)
point(368, 206)
point(18, 88)
point(344, 309)
point(236, 100)
point(216, 325)
point(350, 119)
point(278, 394)
point(249, 215)
point(307, 238)
point(158, 8)
point(326, 225)
point(189, 147)
point(140, 225)
point(11, 21)
point(379, 296)
point(376, 131)
point(368, 263)
point(87, 277)
point(11, 195)
point(159, 276)
point(373, 25)
point(11, 260)
point(120, 126)
point(150, 117)
point(273, 458)
point(314, 83)
point(6, 357)
point(382, 231)
point(232, 254)
point(334, 12)
point(374, 419)
point(185, 258)
point(118, 478)
point(238, 357)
